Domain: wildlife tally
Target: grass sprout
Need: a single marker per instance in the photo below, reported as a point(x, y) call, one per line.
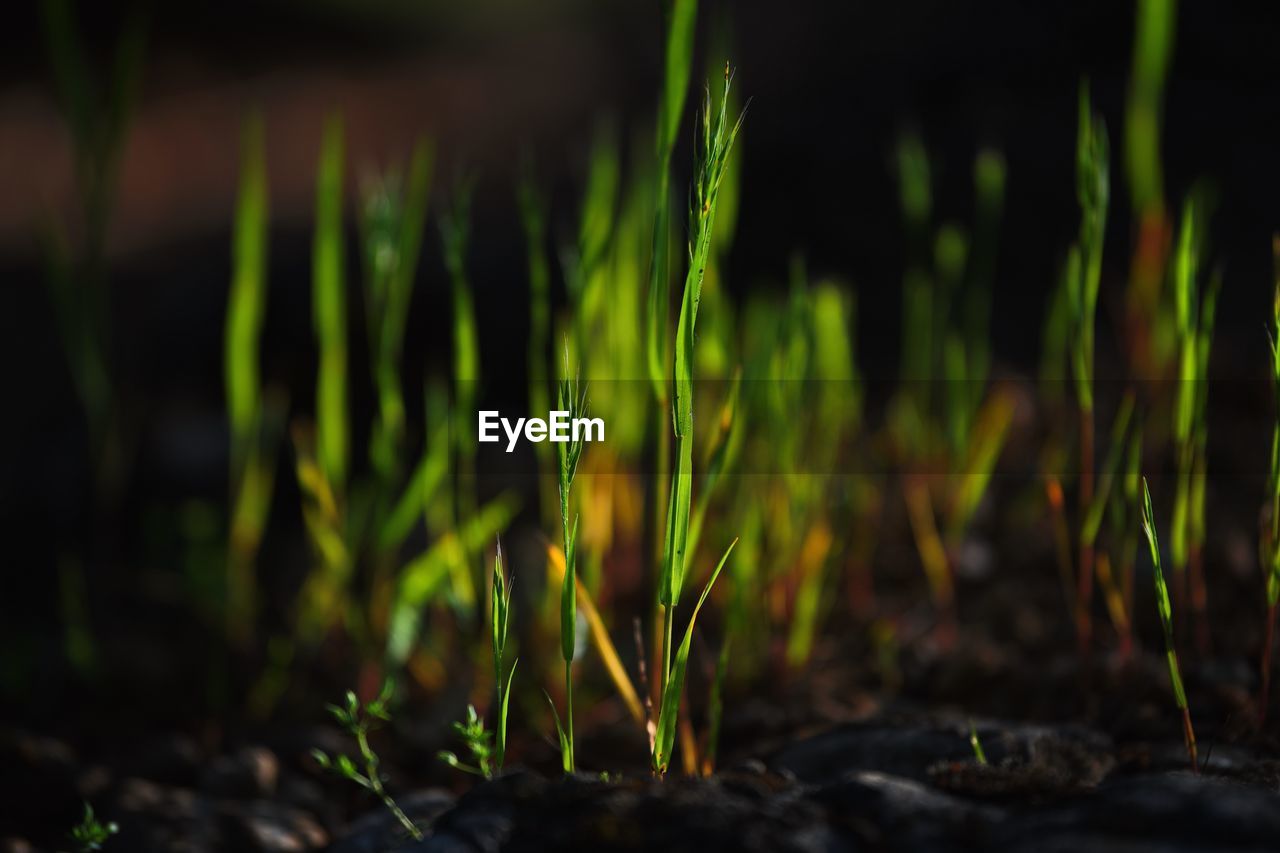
point(1194, 308)
point(1166, 622)
point(715, 144)
point(1083, 276)
point(571, 397)
point(979, 754)
point(256, 416)
point(499, 617)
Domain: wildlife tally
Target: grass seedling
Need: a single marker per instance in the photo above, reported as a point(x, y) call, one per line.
point(499, 619)
point(1084, 272)
point(97, 105)
point(1166, 622)
point(1193, 314)
point(329, 310)
point(358, 719)
point(680, 23)
point(571, 397)
point(979, 754)
point(392, 226)
point(256, 418)
point(714, 145)
point(455, 233)
point(90, 833)
point(533, 215)
point(1153, 39)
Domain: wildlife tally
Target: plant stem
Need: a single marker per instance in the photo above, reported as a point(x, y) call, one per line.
point(669, 618)
point(1265, 695)
point(568, 688)
point(1084, 577)
point(375, 784)
point(1189, 738)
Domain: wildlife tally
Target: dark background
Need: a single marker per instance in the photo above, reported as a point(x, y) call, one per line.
point(832, 87)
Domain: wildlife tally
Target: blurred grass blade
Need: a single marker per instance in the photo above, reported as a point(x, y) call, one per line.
point(330, 310)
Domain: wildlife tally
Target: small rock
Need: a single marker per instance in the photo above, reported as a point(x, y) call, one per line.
point(248, 773)
point(1167, 812)
point(262, 826)
point(168, 759)
point(879, 807)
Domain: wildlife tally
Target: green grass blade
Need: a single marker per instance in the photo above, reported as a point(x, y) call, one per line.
point(1162, 597)
point(664, 738)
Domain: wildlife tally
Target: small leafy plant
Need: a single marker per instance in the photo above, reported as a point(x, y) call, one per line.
point(479, 742)
point(359, 719)
point(91, 833)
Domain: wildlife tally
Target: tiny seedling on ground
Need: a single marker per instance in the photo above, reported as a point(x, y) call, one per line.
point(91, 833)
point(359, 719)
point(979, 754)
point(479, 742)
point(1166, 621)
point(499, 616)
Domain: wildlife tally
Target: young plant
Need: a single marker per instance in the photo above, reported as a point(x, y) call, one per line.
point(1153, 38)
point(1193, 314)
point(681, 17)
point(392, 224)
point(455, 234)
point(571, 397)
point(1166, 622)
point(358, 719)
point(329, 311)
point(979, 754)
point(715, 144)
point(97, 104)
point(90, 833)
point(479, 742)
point(533, 215)
point(256, 417)
point(1084, 273)
point(499, 619)
point(681, 22)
